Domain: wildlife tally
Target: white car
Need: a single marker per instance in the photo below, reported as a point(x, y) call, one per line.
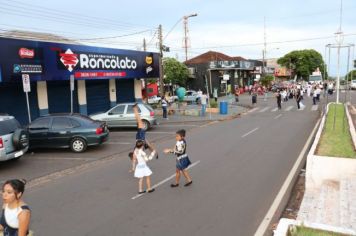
point(154, 99)
point(353, 84)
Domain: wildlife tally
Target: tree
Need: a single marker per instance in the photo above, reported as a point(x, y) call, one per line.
point(350, 76)
point(175, 72)
point(303, 62)
point(267, 80)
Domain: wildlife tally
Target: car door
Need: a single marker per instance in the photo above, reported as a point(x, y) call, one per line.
point(38, 132)
point(115, 117)
point(129, 116)
point(60, 133)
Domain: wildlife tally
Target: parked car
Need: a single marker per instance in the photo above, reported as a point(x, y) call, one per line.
point(154, 99)
point(73, 131)
point(122, 115)
point(353, 84)
point(191, 96)
point(13, 139)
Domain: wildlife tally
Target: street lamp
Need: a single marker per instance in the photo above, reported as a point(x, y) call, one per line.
point(185, 22)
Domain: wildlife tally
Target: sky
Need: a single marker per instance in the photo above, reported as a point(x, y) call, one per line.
point(233, 27)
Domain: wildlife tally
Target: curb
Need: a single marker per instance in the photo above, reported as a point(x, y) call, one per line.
point(284, 193)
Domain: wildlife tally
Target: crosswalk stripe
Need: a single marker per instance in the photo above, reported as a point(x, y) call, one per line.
point(314, 107)
point(275, 109)
point(254, 109)
point(302, 108)
point(289, 108)
point(264, 109)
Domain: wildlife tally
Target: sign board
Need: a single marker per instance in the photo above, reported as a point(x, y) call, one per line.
point(48, 61)
point(258, 76)
point(26, 83)
point(226, 77)
point(72, 83)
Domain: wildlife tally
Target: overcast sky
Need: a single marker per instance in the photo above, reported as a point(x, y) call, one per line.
point(233, 27)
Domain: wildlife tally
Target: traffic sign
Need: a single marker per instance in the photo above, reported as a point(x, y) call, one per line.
point(26, 83)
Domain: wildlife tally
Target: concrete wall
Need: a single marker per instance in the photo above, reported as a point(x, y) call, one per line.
point(112, 91)
point(82, 97)
point(138, 90)
point(321, 168)
point(42, 97)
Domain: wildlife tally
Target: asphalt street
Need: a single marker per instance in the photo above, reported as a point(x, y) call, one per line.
point(42, 162)
point(239, 166)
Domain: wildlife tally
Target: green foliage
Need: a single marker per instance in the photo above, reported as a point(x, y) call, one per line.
point(303, 62)
point(336, 139)
point(213, 104)
point(351, 75)
point(175, 72)
point(267, 80)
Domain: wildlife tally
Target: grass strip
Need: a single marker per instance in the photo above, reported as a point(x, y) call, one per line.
point(335, 139)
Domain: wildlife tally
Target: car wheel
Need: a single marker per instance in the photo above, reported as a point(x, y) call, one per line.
point(20, 139)
point(78, 145)
point(146, 125)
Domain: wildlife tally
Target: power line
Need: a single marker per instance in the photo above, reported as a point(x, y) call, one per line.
point(69, 14)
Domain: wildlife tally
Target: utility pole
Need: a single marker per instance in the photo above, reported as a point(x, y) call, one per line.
point(186, 37)
point(144, 44)
point(145, 80)
point(264, 46)
point(160, 40)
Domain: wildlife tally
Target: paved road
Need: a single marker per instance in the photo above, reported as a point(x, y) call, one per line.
point(239, 166)
point(39, 163)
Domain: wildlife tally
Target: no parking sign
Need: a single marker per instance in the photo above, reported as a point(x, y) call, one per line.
point(26, 83)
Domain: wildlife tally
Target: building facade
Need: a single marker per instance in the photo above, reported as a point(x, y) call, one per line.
point(217, 71)
point(102, 77)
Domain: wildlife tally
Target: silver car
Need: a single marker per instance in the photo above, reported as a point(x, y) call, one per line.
point(122, 115)
point(13, 139)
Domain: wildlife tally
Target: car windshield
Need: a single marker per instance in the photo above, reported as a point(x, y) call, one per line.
point(148, 107)
point(8, 126)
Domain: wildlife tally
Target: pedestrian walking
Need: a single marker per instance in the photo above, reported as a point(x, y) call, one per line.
point(16, 214)
point(254, 97)
point(139, 159)
point(279, 100)
point(182, 159)
point(298, 98)
point(314, 96)
point(164, 104)
point(215, 94)
point(203, 102)
point(237, 93)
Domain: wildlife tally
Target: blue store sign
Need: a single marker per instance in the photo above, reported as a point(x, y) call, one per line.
point(55, 61)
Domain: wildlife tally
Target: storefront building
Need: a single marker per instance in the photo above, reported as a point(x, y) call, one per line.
point(103, 77)
point(217, 71)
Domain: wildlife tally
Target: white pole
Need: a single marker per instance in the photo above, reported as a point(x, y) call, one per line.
point(338, 74)
point(28, 108)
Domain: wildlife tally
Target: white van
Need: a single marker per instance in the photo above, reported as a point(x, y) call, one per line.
point(353, 84)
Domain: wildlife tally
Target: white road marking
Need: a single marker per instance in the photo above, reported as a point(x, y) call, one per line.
point(119, 143)
point(314, 107)
point(164, 181)
point(248, 133)
point(263, 227)
point(149, 132)
point(302, 108)
point(253, 109)
point(289, 108)
point(166, 125)
point(275, 109)
point(277, 116)
point(264, 109)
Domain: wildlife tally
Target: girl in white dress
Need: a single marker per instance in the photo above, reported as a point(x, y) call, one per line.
point(141, 168)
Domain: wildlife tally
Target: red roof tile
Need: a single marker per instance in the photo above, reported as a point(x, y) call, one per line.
point(212, 56)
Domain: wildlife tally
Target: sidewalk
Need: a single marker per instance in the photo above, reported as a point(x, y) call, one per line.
point(191, 113)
